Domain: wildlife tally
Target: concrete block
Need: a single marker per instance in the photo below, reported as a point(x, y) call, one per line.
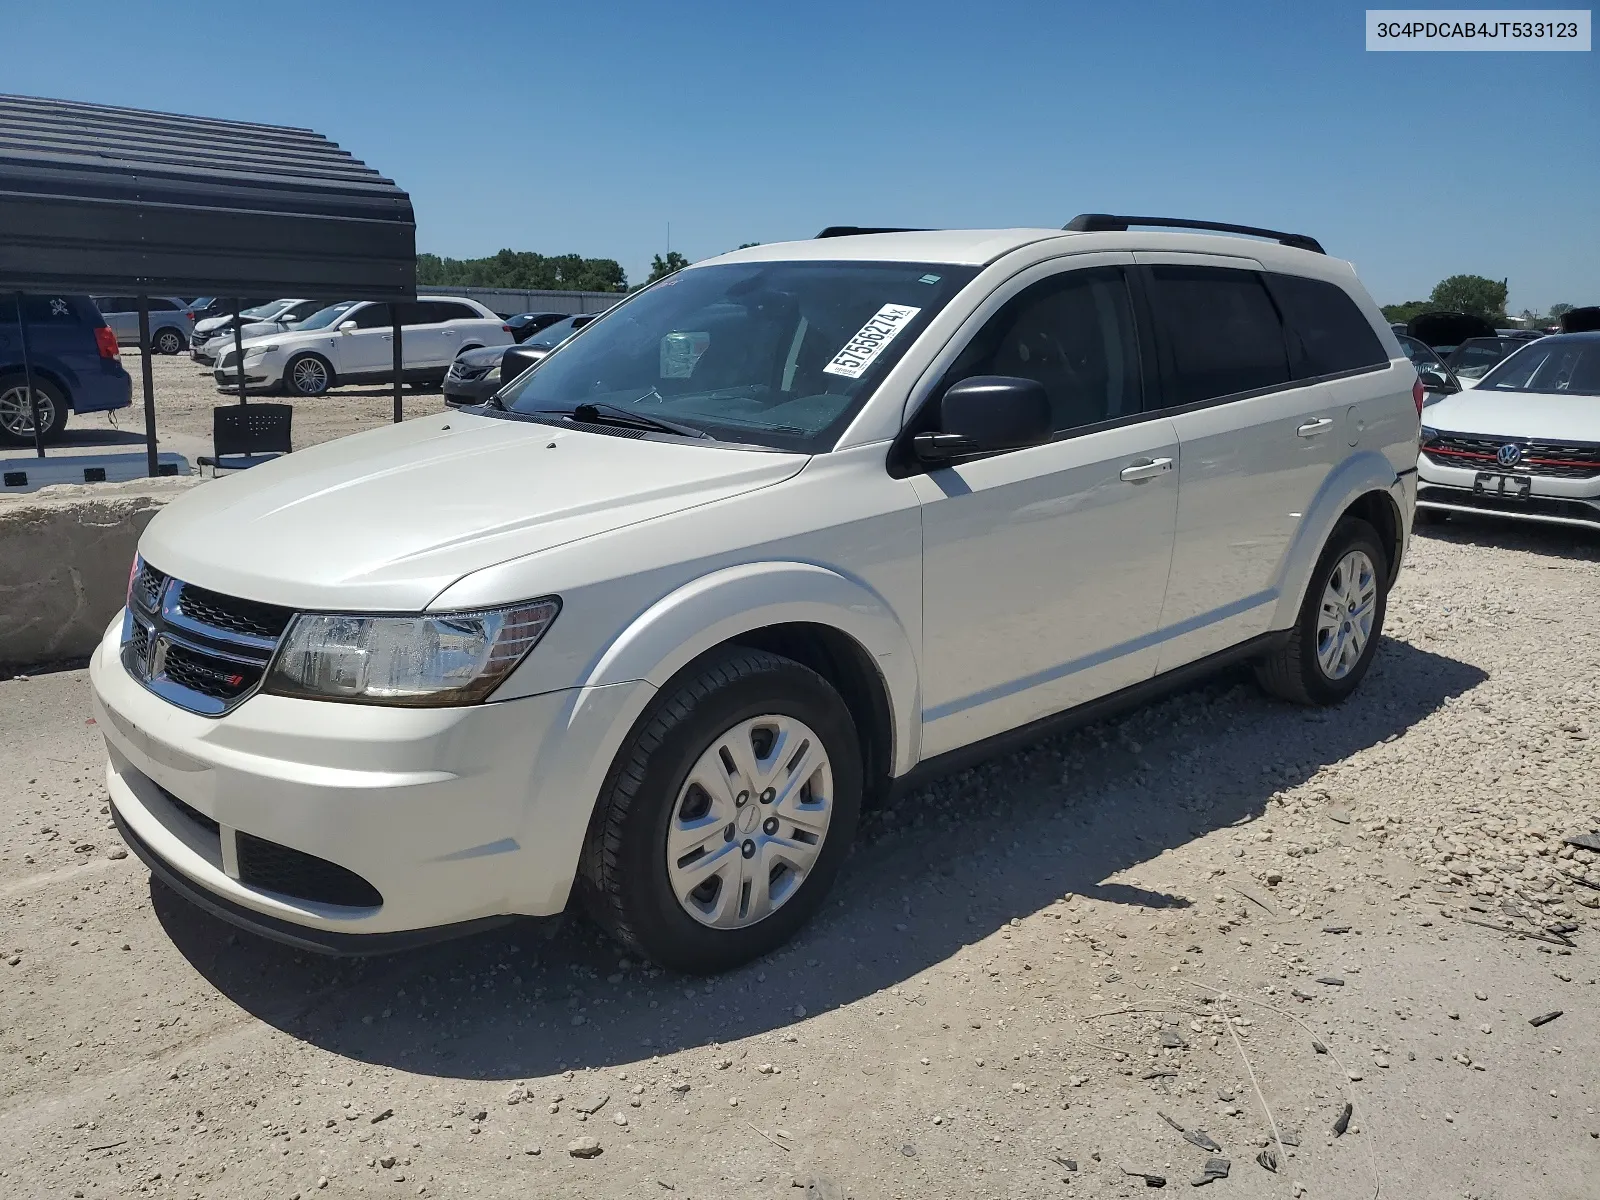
point(64, 559)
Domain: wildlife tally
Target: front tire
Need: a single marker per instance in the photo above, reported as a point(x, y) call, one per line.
point(16, 414)
point(307, 375)
point(727, 814)
point(1336, 634)
point(167, 341)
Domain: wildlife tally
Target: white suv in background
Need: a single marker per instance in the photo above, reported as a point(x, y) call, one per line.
point(353, 341)
point(783, 531)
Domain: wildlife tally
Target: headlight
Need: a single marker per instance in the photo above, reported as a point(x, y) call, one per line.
point(258, 351)
point(1428, 434)
point(494, 372)
point(425, 660)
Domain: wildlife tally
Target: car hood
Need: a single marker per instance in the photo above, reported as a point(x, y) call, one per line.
point(1531, 416)
point(483, 356)
point(386, 520)
point(210, 325)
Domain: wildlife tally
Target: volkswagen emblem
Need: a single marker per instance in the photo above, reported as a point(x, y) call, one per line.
point(1509, 455)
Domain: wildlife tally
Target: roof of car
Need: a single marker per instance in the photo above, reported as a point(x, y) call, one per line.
point(979, 247)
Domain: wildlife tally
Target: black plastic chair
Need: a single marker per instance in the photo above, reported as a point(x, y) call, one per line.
point(245, 435)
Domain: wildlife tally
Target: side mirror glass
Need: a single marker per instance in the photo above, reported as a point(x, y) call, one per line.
point(986, 414)
point(347, 326)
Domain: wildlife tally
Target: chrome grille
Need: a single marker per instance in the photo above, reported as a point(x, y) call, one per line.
point(199, 649)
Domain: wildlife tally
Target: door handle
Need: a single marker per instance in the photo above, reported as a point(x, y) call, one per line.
point(1147, 468)
point(1314, 427)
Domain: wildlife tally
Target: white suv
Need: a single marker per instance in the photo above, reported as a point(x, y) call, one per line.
point(354, 341)
point(783, 531)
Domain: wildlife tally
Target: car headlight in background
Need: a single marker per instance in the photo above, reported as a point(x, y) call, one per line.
point(1428, 434)
point(425, 660)
point(258, 351)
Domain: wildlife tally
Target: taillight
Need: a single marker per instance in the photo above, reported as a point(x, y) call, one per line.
point(507, 329)
point(1417, 396)
point(106, 342)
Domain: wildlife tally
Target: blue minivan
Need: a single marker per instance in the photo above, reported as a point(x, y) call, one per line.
point(76, 365)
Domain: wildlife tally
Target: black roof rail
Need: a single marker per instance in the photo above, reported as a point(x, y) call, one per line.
point(1107, 223)
point(852, 230)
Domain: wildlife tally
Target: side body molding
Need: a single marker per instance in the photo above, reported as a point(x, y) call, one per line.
point(718, 607)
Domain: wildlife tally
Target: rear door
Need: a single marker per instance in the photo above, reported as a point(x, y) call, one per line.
point(1256, 445)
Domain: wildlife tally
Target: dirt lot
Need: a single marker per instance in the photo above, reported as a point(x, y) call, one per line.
point(186, 393)
point(1026, 967)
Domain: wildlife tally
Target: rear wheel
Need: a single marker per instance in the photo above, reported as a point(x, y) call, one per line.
point(167, 341)
point(1336, 634)
point(16, 414)
point(727, 814)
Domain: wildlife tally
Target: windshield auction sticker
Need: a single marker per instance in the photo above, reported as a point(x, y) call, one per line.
point(870, 340)
point(1478, 29)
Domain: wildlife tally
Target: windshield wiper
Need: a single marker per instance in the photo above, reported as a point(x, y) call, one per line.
point(610, 414)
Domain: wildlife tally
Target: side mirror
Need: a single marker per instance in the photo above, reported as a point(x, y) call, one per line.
point(1435, 380)
point(516, 360)
point(985, 414)
point(347, 326)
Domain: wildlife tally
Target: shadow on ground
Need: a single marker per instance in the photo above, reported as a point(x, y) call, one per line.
point(944, 867)
point(105, 435)
point(1555, 541)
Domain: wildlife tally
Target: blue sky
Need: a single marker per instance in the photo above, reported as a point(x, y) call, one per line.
point(590, 127)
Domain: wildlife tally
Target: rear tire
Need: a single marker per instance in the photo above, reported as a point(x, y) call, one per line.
point(634, 881)
point(1336, 634)
point(167, 341)
point(16, 415)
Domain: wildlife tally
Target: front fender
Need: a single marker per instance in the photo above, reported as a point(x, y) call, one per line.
point(1363, 472)
point(717, 608)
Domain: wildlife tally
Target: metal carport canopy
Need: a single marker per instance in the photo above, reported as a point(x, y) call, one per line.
point(99, 199)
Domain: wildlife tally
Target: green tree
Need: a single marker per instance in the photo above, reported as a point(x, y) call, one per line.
point(1472, 294)
point(660, 267)
point(1404, 312)
point(525, 270)
point(1557, 311)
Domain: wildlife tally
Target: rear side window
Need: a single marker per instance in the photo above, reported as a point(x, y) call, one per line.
point(1221, 329)
point(157, 304)
point(1327, 333)
point(455, 311)
point(1074, 334)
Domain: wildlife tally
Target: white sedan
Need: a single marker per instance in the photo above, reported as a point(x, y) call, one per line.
point(1524, 443)
point(353, 341)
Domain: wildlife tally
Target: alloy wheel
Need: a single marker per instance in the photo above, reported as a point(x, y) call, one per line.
point(749, 821)
point(16, 415)
point(1344, 621)
point(310, 377)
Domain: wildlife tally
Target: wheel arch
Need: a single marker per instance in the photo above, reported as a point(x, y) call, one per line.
point(1361, 486)
point(836, 625)
point(296, 356)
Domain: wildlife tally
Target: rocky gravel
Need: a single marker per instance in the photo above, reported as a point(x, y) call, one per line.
point(1221, 943)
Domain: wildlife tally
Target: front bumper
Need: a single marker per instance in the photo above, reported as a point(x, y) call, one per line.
point(453, 816)
point(462, 392)
point(1550, 500)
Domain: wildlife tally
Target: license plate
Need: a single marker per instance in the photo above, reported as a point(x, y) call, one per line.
point(1509, 487)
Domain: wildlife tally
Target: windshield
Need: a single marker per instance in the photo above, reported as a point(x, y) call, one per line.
point(264, 312)
point(1551, 364)
point(327, 316)
point(1474, 359)
point(779, 354)
point(554, 334)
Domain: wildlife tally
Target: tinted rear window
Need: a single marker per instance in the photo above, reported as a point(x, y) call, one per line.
point(1327, 333)
point(1221, 329)
point(52, 311)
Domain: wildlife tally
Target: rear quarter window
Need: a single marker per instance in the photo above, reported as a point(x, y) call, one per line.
point(1326, 332)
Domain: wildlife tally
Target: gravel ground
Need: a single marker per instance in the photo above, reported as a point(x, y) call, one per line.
point(186, 393)
point(1037, 976)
